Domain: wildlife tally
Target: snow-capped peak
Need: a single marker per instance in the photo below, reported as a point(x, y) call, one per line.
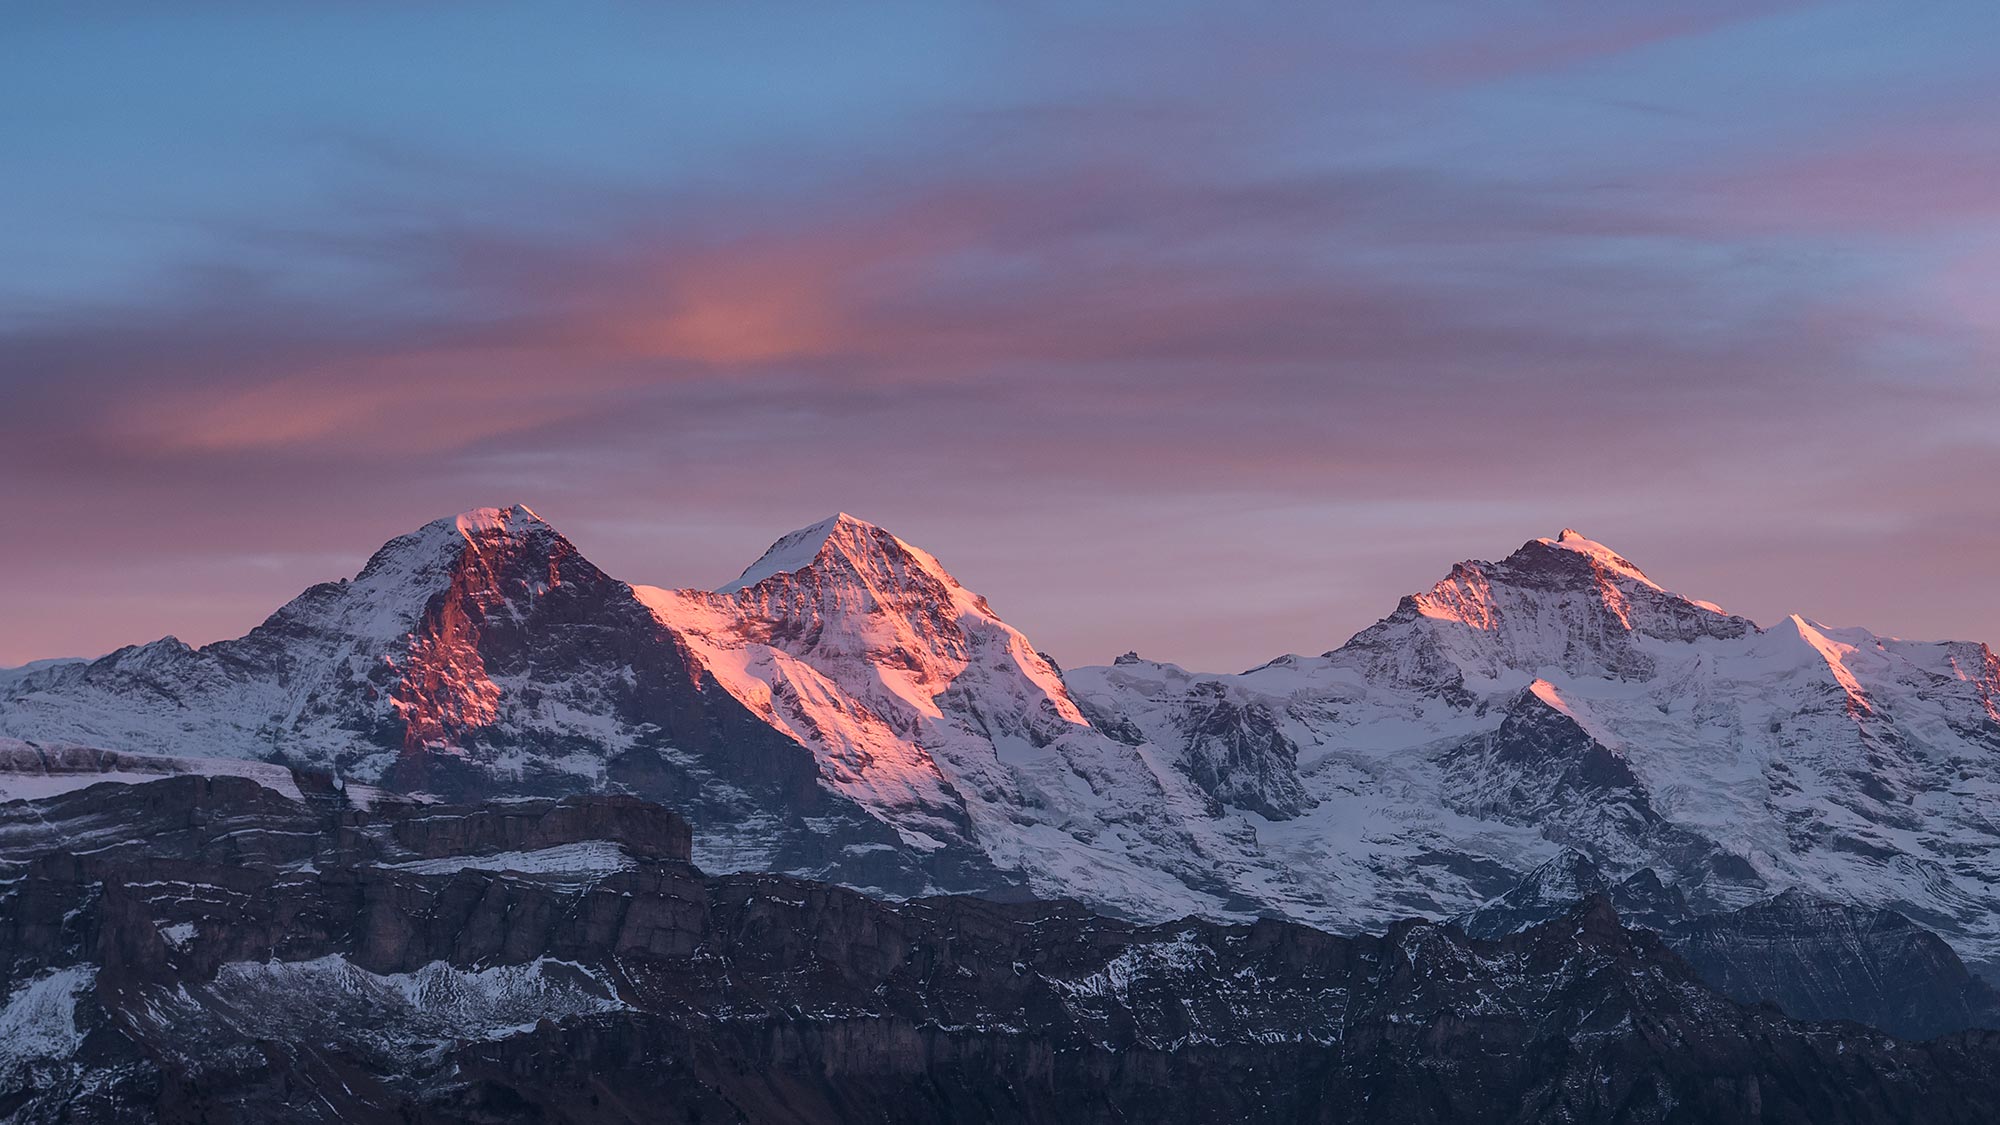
point(1613, 563)
point(421, 562)
point(796, 551)
point(512, 520)
point(865, 548)
point(1572, 540)
point(1815, 645)
point(478, 562)
point(1568, 602)
point(1556, 696)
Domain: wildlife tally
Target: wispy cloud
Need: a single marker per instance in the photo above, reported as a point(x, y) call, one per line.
point(1058, 310)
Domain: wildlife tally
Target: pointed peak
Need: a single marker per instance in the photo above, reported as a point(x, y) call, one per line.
point(807, 545)
point(1595, 917)
point(1546, 692)
point(1825, 649)
point(838, 521)
point(1569, 858)
point(1569, 876)
point(1824, 639)
point(1539, 703)
point(1570, 539)
point(440, 542)
point(509, 520)
point(841, 526)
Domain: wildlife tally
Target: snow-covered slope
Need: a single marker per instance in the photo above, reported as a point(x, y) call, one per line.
point(924, 706)
point(230, 955)
point(1561, 697)
point(347, 674)
point(849, 711)
point(480, 654)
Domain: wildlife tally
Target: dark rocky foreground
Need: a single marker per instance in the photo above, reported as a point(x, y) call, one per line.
point(203, 949)
point(1813, 958)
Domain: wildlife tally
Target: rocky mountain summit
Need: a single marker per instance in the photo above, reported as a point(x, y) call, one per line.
point(1561, 698)
point(848, 711)
point(234, 953)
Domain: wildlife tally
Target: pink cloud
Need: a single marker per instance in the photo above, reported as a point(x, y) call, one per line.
point(1219, 381)
point(1566, 33)
point(1887, 177)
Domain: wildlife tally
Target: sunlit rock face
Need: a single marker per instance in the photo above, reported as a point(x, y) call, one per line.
point(865, 649)
point(848, 710)
point(413, 655)
point(483, 655)
point(921, 704)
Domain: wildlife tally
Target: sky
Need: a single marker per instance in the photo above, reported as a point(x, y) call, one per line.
point(1202, 330)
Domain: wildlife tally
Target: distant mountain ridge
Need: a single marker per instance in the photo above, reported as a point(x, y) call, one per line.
point(848, 711)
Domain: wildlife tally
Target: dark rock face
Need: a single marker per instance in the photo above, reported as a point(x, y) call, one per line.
point(234, 822)
point(1548, 890)
point(1541, 768)
point(1645, 609)
point(1828, 960)
point(1815, 959)
point(1236, 752)
point(1540, 765)
point(1233, 747)
point(183, 977)
point(643, 829)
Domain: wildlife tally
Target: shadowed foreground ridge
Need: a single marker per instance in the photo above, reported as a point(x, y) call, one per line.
point(1815, 959)
point(241, 956)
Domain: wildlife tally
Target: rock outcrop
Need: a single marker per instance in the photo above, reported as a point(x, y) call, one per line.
point(250, 957)
point(1813, 958)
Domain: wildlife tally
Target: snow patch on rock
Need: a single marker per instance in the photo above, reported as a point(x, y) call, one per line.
point(38, 1023)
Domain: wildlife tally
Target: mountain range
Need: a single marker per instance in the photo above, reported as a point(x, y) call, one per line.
point(847, 711)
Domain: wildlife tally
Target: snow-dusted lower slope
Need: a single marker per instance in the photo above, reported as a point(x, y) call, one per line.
point(33, 773)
